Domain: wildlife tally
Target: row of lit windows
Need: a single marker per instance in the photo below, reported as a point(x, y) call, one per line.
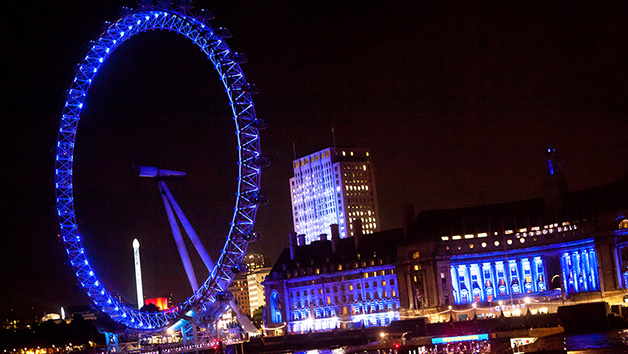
point(534, 231)
point(496, 243)
point(341, 288)
point(344, 153)
point(312, 158)
point(309, 271)
point(331, 311)
point(345, 299)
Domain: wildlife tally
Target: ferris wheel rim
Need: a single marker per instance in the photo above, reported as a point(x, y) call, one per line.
point(239, 93)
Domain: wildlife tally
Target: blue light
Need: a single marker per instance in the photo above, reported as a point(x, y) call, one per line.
point(551, 167)
point(467, 338)
point(243, 217)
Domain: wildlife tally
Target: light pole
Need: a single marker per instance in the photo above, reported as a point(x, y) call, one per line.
point(138, 274)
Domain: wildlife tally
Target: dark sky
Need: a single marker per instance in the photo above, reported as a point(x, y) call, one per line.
point(456, 101)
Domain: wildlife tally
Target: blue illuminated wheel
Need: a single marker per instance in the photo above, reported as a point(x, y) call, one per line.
point(239, 91)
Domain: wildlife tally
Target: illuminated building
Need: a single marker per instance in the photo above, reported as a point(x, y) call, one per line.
point(256, 290)
point(337, 283)
point(334, 186)
point(254, 261)
point(160, 302)
point(565, 245)
point(239, 287)
point(247, 288)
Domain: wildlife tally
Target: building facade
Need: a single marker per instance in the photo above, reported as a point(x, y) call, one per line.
point(254, 281)
point(338, 283)
point(564, 246)
point(334, 186)
point(538, 254)
point(247, 288)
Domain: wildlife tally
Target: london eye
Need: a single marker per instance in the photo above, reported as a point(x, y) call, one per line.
point(209, 296)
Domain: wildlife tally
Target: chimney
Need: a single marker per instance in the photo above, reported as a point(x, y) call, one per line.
point(357, 231)
point(293, 243)
point(408, 217)
point(301, 239)
point(335, 237)
point(323, 237)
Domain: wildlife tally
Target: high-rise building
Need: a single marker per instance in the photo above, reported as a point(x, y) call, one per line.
point(247, 288)
point(334, 186)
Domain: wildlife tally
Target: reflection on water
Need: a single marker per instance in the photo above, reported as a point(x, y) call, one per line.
point(615, 341)
point(610, 342)
point(323, 351)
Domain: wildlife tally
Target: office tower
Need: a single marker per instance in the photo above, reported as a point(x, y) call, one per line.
point(334, 186)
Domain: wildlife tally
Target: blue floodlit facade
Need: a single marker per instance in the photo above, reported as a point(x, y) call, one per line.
point(334, 186)
point(561, 248)
point(338, 284)
point(498, 277)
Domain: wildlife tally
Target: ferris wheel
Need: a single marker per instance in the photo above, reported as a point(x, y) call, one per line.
point(195, 27)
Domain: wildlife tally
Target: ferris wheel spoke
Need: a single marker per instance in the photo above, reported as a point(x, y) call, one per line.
point(178, 238)
point(189, 230)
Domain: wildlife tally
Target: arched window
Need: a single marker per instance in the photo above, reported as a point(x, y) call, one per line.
point(275, 307)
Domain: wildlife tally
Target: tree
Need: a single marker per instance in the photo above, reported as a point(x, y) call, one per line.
point(258, 317)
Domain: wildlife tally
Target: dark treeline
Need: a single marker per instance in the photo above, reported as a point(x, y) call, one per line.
point(58, 333)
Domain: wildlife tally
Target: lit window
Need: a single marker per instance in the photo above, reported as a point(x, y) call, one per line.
point(456, 237)
point(509, 242)
point(468, 236)
point(445, 238)
point(483, 244)
point(416, 267)
point(496, 243)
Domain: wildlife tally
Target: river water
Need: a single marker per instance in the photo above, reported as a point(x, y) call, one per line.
point(609, 342)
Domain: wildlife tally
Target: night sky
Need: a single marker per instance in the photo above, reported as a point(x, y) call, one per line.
point(456, 101)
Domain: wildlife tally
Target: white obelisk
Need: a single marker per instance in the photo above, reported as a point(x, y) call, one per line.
point(138, 274)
